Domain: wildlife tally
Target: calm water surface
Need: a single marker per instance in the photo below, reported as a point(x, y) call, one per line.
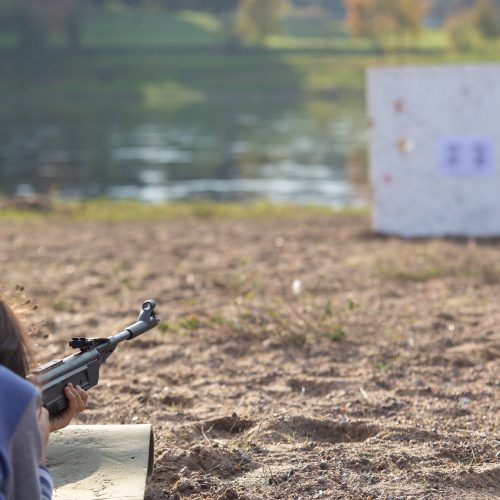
point(308, 151)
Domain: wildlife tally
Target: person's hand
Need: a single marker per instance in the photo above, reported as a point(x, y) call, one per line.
point(77, 399)
point(44, 424)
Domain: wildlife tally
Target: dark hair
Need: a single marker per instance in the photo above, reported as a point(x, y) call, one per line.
point(14, 352)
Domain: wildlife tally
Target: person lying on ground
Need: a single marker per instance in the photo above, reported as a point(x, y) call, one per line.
point(24, 424)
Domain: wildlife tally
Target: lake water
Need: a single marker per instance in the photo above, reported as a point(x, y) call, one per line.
point(283, 150)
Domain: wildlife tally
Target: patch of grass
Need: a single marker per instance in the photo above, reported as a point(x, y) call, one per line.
point(61, 305)
point(235, 326)
point(440, 259)
point(191, 323)
point(121, 265)
point(422, 274)
point(164, 327)
point(218, 319)
point(283, 324)
point(417, 267)
point(16, 214)
point(332, 322)
point(336, 333)
point(381, 366)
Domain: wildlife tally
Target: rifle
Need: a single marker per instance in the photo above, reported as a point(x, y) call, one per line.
point(82, 368)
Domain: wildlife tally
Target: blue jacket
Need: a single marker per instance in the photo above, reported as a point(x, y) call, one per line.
point(21, 476)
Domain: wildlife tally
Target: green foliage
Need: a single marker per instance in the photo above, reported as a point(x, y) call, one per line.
point(488, 19)
point(462, 32)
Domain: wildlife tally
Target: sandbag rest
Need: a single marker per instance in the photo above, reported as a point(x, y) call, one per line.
point(101, 462)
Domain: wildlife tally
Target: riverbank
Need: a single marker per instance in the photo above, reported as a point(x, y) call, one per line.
point(299, 354)
point(40, 207)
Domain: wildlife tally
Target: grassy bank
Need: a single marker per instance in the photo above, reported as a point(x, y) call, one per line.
point(123, 210)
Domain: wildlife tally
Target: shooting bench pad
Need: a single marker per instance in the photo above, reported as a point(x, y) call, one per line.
point(103, 462)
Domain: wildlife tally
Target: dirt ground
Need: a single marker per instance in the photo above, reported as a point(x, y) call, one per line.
point(297, 357)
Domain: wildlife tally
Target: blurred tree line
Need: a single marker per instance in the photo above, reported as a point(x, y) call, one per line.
point(243, 21)
point(468, 23)
point(33, 20)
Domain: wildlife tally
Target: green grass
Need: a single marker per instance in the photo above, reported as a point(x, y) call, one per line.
point(141, 28)
point(124, 210)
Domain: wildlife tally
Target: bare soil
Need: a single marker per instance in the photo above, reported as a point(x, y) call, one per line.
point(298, 357)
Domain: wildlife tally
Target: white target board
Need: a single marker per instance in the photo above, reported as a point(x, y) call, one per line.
point(434, 150)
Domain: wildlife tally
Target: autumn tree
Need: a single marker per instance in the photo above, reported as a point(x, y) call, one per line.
point(380, 19)
point(472, 26)
point(256, 19)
